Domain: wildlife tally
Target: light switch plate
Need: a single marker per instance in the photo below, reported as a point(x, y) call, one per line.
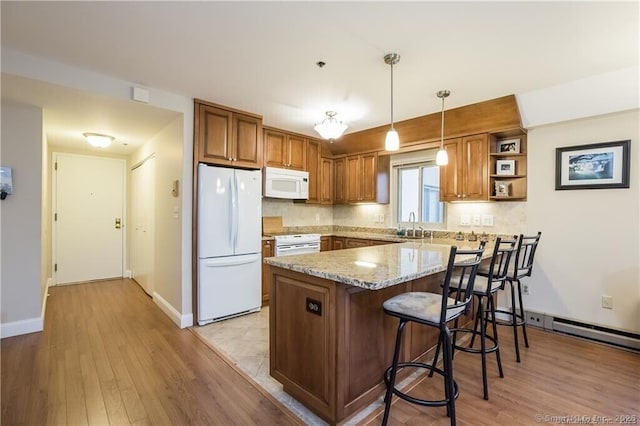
point(476, 220)
point(465, 220)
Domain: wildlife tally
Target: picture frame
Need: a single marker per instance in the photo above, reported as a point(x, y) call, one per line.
point(511, 146)
point(506, 167)
point(502, 189)
point(593, 166)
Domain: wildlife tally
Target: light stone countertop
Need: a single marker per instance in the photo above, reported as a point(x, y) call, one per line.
point(375, 267)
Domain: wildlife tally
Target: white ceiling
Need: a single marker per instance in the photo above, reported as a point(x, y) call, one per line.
point(261, 56)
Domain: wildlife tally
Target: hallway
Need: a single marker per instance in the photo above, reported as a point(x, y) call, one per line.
point(108, 355)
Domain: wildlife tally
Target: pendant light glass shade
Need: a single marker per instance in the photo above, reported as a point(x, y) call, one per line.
point(392, 141)
point(98, 140)
point(330, 128)
point(442, 158)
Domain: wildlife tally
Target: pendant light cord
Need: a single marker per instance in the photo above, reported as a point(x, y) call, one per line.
point(391, 95)
point(442, 127)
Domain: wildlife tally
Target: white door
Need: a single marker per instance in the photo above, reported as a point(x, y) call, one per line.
point(88, 217)
point(142, 224)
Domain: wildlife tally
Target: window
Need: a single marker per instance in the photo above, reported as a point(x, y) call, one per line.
point(417, 187)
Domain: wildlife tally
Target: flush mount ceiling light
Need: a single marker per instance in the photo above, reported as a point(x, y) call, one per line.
point(330, 128)
point(392, 141)
point(442, 158)
point(98, 140)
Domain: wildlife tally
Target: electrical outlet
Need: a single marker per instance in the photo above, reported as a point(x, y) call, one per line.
point(476, 220)
point(465, 220)
point(317, 217)
point(381, 218)
point(525, 289)
point(607, 302)
point(487, 220)
point(534, 318)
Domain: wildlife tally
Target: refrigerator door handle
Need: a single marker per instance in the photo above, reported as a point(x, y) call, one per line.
point(233, 260)
point(236, 213)
point(231, 215)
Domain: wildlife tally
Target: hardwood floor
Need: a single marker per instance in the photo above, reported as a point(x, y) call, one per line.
point(108, 355)
point(558, 376)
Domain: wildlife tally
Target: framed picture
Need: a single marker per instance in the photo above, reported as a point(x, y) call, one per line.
point(594, 166)
point(506, 167)
point(502, 189)
point(510, 146)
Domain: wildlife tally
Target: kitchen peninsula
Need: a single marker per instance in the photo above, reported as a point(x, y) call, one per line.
point(329, 338)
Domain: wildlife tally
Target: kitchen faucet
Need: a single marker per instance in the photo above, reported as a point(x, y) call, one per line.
point(413, 227)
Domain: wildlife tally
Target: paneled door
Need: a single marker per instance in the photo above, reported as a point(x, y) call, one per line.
point(141, 258)
point(88, 217)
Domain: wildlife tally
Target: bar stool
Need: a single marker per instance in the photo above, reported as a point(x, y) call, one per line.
point(521, 268)
point(434, 310)
point(484, 290)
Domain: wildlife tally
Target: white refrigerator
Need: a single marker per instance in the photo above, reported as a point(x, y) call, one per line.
point(229, 242)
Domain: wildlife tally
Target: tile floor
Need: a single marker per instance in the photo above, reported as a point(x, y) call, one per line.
point(245, 340)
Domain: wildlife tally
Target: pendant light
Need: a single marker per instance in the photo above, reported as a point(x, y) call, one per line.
point(330, 128)
point(392, 141)
point(442, 158)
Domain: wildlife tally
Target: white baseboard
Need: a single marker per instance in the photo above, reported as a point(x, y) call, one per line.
point(180, 320)
point(128, 274)
point(16, 328)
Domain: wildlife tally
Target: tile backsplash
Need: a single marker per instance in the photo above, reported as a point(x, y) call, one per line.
point(508, 217)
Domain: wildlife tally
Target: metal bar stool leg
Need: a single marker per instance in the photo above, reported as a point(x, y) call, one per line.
point(447, 348)
point(492, 308)
point(435, 358)
point(394, 370)
point(524, 321)
point(514, 320)
point(483, 352)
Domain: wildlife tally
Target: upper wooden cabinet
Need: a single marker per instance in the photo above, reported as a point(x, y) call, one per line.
point(466, 177)
point(366, 179)
point(326, 181)
point(227, 137)
point(339, 181)
point(284, 150)
point(313, 167)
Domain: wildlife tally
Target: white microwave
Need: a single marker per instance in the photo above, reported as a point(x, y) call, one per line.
point(286, 183)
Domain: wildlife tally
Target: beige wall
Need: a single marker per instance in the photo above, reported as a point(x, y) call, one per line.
point(590, 238)
point(21, 286)
point(297, 214)
point(167, 148)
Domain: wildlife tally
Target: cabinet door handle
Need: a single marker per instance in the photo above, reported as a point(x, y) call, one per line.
point(458, 196)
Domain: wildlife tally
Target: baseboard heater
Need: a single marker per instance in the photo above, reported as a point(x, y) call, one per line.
point(620, 338)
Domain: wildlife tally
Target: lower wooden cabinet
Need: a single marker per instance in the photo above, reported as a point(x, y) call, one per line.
point(267, 251)
point(356, 242)
point(325, 244)
point(337, 243)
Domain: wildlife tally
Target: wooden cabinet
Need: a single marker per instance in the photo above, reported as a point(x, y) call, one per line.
point(466, 177)
point(361, 178)
point(337, 243)
point(326, 181)
point(340, 174)
point(313, 167)
point(284, 150)
point(267, 251)
point(356, 242)
point(325, 243)
point(227, 137)
point(511, 186)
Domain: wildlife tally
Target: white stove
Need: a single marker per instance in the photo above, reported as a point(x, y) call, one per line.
point(287, 245)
